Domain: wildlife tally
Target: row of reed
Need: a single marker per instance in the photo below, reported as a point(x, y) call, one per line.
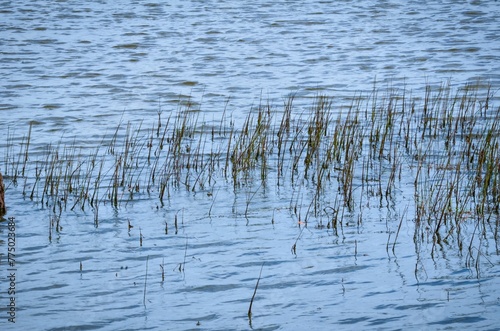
point(438, 152)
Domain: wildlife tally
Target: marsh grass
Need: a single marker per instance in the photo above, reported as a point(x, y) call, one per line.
point(253, 296)
point(440, 151)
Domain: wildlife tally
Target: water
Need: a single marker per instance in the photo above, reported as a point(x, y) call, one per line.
point(69, 62)
point(75, 70)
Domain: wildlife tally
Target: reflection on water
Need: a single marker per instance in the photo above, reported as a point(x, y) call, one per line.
point(77, 70)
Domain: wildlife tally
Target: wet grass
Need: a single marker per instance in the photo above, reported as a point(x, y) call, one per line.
point(437, 152)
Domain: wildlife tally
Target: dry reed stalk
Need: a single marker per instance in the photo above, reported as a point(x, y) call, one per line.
point(26, 149)
point(253, 296)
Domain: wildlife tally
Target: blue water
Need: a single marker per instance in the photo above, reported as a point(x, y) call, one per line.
point(77, 69)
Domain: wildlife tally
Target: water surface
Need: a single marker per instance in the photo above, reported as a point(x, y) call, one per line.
point(76, 70)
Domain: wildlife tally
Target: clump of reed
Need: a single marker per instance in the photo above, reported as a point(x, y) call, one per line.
point(334, 160)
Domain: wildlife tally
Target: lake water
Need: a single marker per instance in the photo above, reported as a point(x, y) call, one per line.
point(77, 70)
